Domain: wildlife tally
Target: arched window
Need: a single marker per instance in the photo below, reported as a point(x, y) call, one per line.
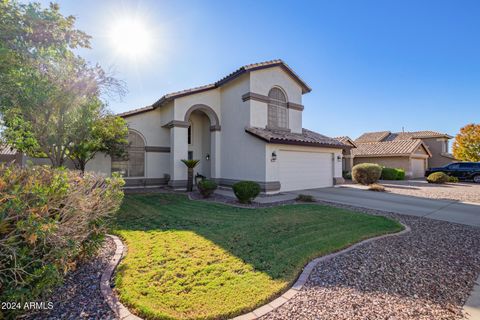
point(277, 109)
point(133, 165)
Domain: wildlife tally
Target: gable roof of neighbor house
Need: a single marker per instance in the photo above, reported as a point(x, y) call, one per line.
point(307, 137)
point(389, 148)
point(395, 136)
point(242, 70)
point(346, 140)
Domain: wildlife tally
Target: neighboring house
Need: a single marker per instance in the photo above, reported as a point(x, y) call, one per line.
point(347, 161)
point(9, 154)
point(412, 151)
point(246, 126)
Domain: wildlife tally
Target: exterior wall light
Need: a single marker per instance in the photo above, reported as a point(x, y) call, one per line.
point(208, 156)
point(339, 158)
point(274, 156)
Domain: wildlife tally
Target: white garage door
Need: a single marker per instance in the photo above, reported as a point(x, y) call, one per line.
point(305, 170)
point(418, 168)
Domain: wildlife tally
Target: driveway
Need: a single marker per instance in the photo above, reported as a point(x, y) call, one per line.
point(446, 210)
point(462, 191)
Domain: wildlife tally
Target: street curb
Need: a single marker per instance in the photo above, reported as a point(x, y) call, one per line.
point(302, 279)
point(105, 287)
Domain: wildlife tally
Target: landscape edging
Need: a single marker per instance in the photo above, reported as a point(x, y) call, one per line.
point(302, 279)
point(110, 297)
point(123, 313)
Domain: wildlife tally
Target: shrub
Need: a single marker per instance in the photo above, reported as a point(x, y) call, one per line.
point(453, 179)
point(438, 177)
point(389, 174)
point(347, 175)
point(305, 198)
point(366, 173)
point(376, 187)
point(246, 191)
point(50, 218)
point(392, 174)
point(206, 187)
point(400, 174)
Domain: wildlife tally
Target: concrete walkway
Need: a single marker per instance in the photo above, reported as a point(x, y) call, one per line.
point(446, 210)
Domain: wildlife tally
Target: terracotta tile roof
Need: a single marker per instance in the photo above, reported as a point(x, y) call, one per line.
point(247, 68)
point(307, 137)
point(346, 140)
point(7, 150)
point(393, 136)
point(135, 111)
point(416, 135)
point(388, 148)
point(372, 136)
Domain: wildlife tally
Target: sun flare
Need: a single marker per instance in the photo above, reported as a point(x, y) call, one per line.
point(131, 38)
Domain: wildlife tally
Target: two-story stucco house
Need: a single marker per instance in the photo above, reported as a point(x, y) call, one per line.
point(246, 126)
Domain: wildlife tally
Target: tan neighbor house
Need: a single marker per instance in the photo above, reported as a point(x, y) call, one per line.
point(412, 151)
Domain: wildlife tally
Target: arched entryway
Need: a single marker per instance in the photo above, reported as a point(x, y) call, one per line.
point(202, 138)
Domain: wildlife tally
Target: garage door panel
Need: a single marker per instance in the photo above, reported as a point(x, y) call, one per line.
point(305, 170)
point(418, 168)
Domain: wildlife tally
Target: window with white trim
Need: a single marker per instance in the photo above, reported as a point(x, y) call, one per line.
point(277, 109)
point(133, 164)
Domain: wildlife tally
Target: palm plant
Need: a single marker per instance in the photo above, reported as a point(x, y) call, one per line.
point(191, 164)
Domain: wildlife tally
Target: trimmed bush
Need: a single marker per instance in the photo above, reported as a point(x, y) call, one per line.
point(366, 173)
point(400, 174)
point(49, 219)
point(246, 191)
point(392, 174)
point(438, 177)
point(453, 179)
point(347, 175)
point(206, 187)
point(305, 198)
point(389, 174)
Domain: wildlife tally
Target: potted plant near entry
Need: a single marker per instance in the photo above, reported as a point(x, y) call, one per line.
point(191, 164)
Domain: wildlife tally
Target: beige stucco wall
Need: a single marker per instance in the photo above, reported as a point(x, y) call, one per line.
point(242, 155)
point(437, 147)
point(101, 163)
point(261, 81)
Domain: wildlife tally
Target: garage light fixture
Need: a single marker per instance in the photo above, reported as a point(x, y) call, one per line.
point(274, 156)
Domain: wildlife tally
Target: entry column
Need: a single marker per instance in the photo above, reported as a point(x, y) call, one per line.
point(215, 152)
point(178, 151)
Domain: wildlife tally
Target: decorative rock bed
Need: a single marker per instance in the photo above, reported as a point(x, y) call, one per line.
point(423, 274)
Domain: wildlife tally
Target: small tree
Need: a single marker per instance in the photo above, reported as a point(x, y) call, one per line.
point(96, 132)
point(466, 146)
point(191, 164)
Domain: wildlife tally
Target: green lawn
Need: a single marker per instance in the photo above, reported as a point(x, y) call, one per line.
point(197, 260)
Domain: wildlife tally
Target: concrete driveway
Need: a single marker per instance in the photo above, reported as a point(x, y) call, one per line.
point(446, 210)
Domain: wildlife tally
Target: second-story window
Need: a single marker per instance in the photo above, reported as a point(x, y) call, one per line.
point(277, 109)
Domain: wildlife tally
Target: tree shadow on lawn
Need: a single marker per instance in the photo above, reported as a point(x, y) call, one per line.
point(276, 240)
point(431, 264)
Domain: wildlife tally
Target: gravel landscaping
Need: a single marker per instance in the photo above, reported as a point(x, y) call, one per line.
point(462, 191)
point(80, 297)
point(425, 274)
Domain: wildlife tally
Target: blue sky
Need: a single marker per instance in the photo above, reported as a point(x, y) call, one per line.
point(373, 65)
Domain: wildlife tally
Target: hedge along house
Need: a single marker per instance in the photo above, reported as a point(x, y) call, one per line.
point(246, 126)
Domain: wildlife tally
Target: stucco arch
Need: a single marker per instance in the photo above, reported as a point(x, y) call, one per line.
point(211, 114)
